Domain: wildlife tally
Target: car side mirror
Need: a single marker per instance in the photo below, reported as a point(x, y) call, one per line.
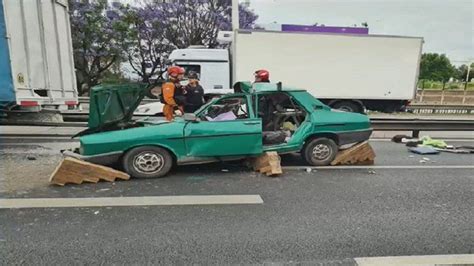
point(191, 118)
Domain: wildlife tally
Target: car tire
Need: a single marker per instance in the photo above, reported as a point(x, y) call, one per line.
point(147, 162)
point(349, 106)
point(320, 151)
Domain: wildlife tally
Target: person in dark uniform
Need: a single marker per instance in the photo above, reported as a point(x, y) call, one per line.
point(194, 93)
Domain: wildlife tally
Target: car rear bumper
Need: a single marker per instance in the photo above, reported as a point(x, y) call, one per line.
point(103, 159)
point(354, 136)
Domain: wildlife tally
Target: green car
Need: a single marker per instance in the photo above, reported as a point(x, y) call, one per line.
point(256, 118)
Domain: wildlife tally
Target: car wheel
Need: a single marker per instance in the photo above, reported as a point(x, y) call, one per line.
point(348, 106)
point(147, 162)
point(320, 151)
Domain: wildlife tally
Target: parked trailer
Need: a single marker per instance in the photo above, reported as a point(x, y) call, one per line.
point(36, 57)
point(349, 72)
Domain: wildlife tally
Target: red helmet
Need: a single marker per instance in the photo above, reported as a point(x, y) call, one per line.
point(174, 71)
point(263, 75)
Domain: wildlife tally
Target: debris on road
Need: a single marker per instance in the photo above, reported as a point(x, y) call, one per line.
point(425, 150)
point(359, 154)
point(308, 170)
point(456, 150)
point(427, 145)
point(435, 143)
point(31, 157)
point(400, 138)
point(75, 171)
point(267, 163)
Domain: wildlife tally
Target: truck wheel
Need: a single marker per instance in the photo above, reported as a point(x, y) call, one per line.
point(320, 151)
point(147, 162)
point(349, 106)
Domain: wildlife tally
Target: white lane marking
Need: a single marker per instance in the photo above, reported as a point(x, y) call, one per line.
point(448, 140)
point(302, 167)
point(129, 201)
point(417, 260)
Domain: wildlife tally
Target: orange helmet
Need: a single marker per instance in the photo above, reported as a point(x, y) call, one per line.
point(263, 75)
point(174, 71)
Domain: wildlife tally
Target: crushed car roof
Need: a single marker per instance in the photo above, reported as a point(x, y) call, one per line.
point(248, 87)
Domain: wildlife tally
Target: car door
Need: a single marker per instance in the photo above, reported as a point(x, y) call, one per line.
point(239, 136)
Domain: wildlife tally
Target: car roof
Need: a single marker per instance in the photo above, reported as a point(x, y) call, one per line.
point(263, 87)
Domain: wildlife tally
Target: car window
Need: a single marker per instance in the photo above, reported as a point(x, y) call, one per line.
point(191, 68)
point(278, 110)
point(229, 108)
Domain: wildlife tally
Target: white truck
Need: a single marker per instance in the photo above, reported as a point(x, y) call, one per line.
point(36, 57)
point(348, 72)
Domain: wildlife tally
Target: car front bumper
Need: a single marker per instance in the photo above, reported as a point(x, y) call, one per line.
point(354, 136)
point(103, 159)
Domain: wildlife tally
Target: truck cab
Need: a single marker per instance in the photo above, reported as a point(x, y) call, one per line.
point(212, 66)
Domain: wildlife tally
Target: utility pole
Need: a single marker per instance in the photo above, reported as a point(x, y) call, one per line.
point(235, 27)
point(235, 15)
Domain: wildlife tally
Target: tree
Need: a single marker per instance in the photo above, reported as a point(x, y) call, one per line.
point(197, 22)
point(96, 40)
point(145, 44)
point(155, 28)
point(462, 72)
point(436, 67)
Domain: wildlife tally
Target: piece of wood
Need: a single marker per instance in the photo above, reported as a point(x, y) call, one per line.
point(268, 163)
point(361, 154)
point(264, 159)
point(75, 171)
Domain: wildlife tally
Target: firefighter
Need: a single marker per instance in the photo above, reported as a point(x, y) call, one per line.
point(262, 75)
point(194, 93)
point(173, 93)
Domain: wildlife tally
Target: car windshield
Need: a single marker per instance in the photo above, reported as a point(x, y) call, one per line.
point(211, 102)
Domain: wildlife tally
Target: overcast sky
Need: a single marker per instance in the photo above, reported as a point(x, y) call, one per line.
point(447, 26)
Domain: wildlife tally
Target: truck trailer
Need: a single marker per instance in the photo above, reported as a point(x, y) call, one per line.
point(36, 57)
point(351, 72)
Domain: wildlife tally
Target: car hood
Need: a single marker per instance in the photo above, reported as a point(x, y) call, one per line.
point(113, 104)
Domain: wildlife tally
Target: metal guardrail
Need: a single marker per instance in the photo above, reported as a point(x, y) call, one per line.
point(379, 124)
point(416, 125)
point(447, 109)
point(417, 108)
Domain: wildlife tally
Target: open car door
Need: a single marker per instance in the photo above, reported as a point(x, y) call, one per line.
point(228, 127)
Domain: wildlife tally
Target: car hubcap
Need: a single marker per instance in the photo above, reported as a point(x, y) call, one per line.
point(321, 152)
point(346, 109)
point(147, 162)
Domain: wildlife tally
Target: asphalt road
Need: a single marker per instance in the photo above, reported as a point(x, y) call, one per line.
point(326, 216)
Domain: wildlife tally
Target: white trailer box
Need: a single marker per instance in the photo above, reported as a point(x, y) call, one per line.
point(39, 51)
point(333, 66)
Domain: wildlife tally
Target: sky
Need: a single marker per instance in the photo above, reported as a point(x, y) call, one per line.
point(447, 26)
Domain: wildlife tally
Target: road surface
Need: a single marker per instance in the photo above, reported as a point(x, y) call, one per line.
point(399, 207)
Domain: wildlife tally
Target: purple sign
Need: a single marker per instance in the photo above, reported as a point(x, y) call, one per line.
point(325, 29)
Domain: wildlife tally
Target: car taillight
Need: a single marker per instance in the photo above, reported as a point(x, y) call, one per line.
point(70, 102)
point(29, 103)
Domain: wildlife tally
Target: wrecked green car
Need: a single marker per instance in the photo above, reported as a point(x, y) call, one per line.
point(256, 118)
